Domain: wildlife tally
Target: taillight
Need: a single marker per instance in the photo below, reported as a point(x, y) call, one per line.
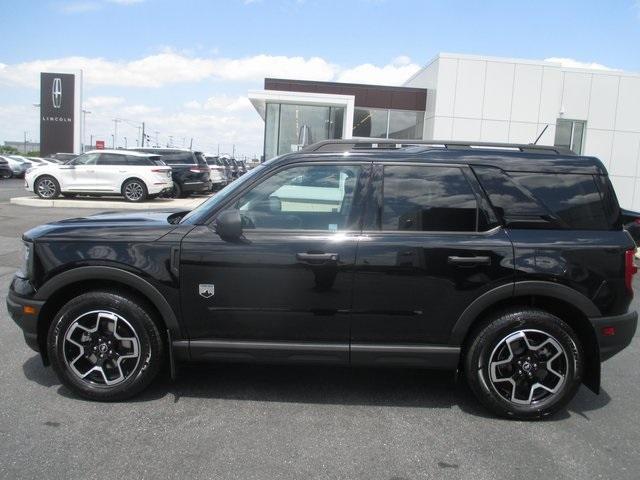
point(629, 268)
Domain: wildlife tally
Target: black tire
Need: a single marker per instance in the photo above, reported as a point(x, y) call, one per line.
point(134, 374)
point(47, 187)
point(134, 190)
point(498, 346)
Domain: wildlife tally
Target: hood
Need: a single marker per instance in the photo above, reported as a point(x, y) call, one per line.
point(125, 226)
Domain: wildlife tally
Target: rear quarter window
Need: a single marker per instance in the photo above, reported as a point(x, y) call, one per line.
point(181, 158)
point(546, 200)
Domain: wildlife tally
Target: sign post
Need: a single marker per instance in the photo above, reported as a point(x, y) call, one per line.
point(60, 105)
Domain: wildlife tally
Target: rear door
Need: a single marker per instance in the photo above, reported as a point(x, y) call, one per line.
point(429, 248)
point(111, 171)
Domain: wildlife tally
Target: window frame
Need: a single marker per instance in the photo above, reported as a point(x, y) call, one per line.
point(375, 204)
point(573, 121)
point(365, 175)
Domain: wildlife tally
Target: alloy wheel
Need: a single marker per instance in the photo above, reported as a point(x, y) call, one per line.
point(46, 188)
point(101, 348)
point(528, 367)
point(133, 191)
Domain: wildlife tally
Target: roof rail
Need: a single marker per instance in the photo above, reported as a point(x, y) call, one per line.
point(345, 145)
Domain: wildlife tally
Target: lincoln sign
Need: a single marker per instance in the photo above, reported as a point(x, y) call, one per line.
point(57, 107)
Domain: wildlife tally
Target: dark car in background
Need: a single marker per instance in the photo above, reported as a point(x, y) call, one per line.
point(190, 170)
point(5, 170)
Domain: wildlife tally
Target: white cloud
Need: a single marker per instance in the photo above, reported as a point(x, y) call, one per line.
point(101, 102)
point(171, 67)
point(395, 73)
point(572, 63)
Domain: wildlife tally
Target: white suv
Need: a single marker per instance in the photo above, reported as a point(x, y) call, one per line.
point(135, 176)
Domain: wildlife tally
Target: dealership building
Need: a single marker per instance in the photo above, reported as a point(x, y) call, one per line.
point(471, 98)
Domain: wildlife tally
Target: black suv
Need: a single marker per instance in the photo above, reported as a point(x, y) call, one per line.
point(507, 263)
point(189, 170)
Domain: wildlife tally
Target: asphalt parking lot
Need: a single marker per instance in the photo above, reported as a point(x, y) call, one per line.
point(222, 421)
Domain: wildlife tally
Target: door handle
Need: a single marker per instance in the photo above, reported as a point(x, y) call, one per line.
point(317, 258)
point(468, 261)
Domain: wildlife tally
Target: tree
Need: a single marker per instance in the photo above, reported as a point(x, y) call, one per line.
point(8, 150)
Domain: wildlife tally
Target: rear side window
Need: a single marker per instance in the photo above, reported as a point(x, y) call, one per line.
point(179, 158)
point(428, 198)
point(138, 161)
point(575, 199)
point(112, 159)
point(544, 200)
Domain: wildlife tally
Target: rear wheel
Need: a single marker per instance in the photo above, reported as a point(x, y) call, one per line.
point(524, 364)
point(134, 190)
point(47, 187)
point(105, 346)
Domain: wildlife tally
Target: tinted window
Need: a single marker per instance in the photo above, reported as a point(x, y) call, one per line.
point(302, 198)
point(575, 199)
point(428, 198)
point(511, 202)
point(178, 158)
point(112, 159)
point(138, 161)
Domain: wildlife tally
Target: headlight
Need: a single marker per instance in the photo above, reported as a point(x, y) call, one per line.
point(26, 269)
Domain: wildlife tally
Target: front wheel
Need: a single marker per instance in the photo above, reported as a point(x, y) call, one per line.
point(47, 187)
point(105, 346)
point(524, 364)
point(134, 191)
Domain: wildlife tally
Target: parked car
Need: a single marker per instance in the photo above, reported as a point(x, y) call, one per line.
point(191, 172)
point(228, 168)
point(631, 223)
point(17, 164)
point(5, 169)
point(63, 157)
point(218, 177)
point(507, 262)
point(36, 161)
point(136, 176)
point(242, 167)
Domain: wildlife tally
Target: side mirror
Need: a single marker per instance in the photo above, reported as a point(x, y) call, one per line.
point(229, 225)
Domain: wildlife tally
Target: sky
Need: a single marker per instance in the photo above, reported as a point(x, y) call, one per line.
point(185, 67)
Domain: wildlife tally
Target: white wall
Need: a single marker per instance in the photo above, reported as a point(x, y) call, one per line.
point(511, 100)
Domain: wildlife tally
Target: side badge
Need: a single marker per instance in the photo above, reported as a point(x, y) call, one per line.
point(206, 290)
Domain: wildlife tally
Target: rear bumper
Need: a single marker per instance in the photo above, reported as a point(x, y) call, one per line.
point(195, 186)
point(620, 329)
point(28, 322)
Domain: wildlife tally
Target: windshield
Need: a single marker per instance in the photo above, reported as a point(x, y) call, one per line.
point(201, 211)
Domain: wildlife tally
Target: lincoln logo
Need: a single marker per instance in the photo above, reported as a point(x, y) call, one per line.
point(56, 93)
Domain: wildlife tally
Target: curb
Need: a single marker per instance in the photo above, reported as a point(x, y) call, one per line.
point(155, 204)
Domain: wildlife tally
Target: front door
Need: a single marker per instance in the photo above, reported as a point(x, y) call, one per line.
point(431, 249)
point(284, 291)
point(80, 173)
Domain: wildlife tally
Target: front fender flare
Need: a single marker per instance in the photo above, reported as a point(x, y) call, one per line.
point(125, 277)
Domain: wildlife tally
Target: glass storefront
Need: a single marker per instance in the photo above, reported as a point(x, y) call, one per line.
point(383, 123)
point(288, 128)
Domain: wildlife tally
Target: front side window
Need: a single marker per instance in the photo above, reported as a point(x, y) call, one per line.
point(316, 197)
point(428, 198)
point(86, 159)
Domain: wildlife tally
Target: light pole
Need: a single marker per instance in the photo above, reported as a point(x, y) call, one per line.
point(113, 141)
point(115, 130)
point(125, 142)
point(84, 124)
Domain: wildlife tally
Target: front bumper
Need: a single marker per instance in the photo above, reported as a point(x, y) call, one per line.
point(28, 322)
point(614, 333)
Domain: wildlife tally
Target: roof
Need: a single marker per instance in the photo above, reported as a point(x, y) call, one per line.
point(514, 160)
point(122, 152)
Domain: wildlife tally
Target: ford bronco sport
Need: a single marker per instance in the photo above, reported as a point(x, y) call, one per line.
point(507, 263)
